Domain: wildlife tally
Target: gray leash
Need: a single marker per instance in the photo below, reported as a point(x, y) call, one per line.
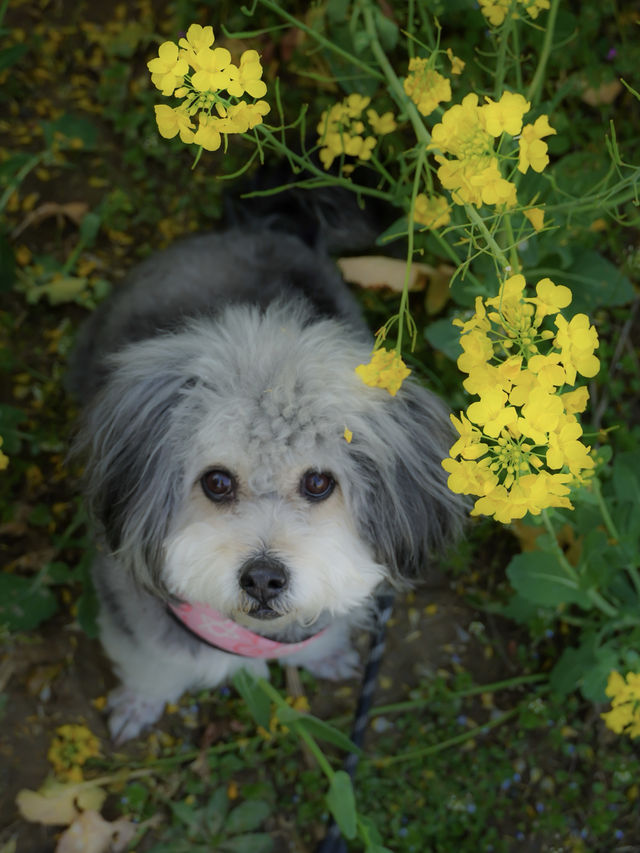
point(333, 841)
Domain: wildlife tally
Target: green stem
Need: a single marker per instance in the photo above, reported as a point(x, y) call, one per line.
point(395, 86)
point(300, 731)
point(536, 84)
point(516, 54)
point(305, 164)
point(403, 310)
point(612, 530)
point(445, 744)
point(19, 176)
point(501, 62)
point(478, 221)
point(604, 511)
point(382, 170)
point(513, 249)
point(296, 22)
point(414, 704)
point(314, 749)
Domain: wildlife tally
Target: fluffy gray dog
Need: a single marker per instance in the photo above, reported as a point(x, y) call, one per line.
point(234, 521)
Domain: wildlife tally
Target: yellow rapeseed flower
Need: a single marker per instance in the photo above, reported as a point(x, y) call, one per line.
point(381, 125)
point(533, 151)
point(385, 370)
point(168, 69)
point(457, 64)
point(4, 459)
point(341, 131)
point(473, 175)
point(247, 77)
point(211, 88)
point(425, 86)
point(624, 692)
point(519, 447)
point(72, 746)
point(534, 7)
point(535, 215)
point(208, 134)
point(432, 212)
point(505, 115)
point(577, 340)
point(197, 38)
point(172, 121)
point(495, 11)
point(214, 70)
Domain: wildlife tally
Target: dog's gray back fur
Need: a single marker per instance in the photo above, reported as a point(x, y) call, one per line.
point(199, 277)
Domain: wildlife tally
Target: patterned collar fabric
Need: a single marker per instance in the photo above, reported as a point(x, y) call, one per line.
point(225, 634)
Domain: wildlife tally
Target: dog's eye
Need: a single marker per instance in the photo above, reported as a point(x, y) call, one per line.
point(218, 485)
point(317, 485)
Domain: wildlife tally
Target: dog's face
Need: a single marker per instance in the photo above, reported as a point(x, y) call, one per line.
point(220, 471)
point(266, 532)
point(268, 546)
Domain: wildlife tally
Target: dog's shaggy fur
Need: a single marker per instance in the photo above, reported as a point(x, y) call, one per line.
point(235, 353)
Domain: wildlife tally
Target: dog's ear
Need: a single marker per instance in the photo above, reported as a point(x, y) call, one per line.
point(400, 498)
point(133, 462)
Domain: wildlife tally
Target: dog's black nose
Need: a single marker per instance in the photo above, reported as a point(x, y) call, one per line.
point(264, 579)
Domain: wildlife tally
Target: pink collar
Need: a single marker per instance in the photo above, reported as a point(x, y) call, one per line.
point(225, 634)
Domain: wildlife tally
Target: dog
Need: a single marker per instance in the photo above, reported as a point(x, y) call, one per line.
point(235, 523)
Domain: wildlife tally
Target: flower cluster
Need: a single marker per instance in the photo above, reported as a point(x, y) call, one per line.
point(70, 749)
point(432, 212)
point(211, 88)
point(385, 370)
point(342, 130)
point(519, 448)
point(425, 86)
point(4, 459)
point(468, 132)
point(624, 716)
point(495, 11)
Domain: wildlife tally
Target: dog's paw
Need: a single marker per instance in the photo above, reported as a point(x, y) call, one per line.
point(130, 713)
point(338, 666)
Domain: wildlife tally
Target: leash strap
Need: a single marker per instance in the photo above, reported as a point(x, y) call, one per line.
point(333, 841)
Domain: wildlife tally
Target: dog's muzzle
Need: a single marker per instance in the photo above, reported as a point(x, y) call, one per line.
point(263, 579)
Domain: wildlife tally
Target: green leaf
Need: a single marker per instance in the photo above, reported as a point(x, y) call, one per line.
point(255, 842)
point(23, 604)
point(386, 28)
point(247, 816)
point(570, 668)
point(398, 230)
point(187, 815)
point(318, 728)
point(595, 282)
point(625, 480)
point(70, 127)
point(540, 578)
point(342, 803)
point(10, 55)
point(40, 516)
point(87, 611)
point(594, 680)
point(90, 226)
point(445, 337)
point(257, 701)
point(10, 420)
point(586, 667)
point(216, 811)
